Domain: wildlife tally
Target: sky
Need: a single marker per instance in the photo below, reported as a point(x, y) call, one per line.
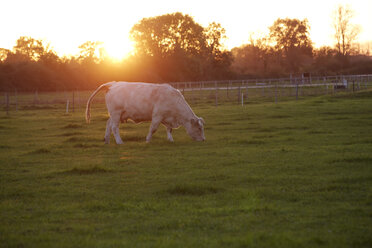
point(66, 24)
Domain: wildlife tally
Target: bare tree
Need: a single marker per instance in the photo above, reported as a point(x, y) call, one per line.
point(345, 32)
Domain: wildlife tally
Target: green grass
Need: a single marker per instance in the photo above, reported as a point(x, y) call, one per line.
point(292, 174)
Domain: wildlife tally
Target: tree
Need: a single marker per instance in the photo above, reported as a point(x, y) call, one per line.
point(90, 52)
point(325, 61)
point(256, 59)
point(29, 48)
point(215, 34)
point(246, 60)
point(265, 54)
point(217, 57)
point(165, 35)
point(174, 47)
point(3, 54)
point(345, 31)
point(292, 42)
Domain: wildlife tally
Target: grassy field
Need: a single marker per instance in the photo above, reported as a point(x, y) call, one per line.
point(292, 174)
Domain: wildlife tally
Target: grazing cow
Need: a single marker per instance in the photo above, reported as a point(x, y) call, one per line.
point(158, 103)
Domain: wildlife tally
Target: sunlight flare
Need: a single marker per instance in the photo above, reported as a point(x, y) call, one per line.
point(118, 49)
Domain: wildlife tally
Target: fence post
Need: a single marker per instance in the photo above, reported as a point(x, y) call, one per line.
point(216, 97)
point(276, 93)
point(201, 92)
point(7, 103)
point(16, 99)
point(227, 89)
point(296, 91)
point(73, 101)
point(192, 94)
point(239, 94)
point(365, 82)
point(78, 99)
point(36, 97)
point(68, 101)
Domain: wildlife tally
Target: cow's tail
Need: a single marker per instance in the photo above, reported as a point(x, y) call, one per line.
point(87, 110)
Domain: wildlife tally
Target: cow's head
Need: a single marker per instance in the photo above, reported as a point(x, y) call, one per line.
point(195, 129)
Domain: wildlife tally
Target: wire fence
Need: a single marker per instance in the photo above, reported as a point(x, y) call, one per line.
point(205, 92)
point(273, 89)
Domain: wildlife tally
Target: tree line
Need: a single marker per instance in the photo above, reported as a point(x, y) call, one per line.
point(173, 47)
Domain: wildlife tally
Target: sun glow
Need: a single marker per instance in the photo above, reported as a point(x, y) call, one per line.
point(77, 22)
point(118, 49)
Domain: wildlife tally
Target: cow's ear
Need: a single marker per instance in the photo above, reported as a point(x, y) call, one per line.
point(201, 121)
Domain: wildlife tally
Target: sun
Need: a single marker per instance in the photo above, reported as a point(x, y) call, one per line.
point(118, 49)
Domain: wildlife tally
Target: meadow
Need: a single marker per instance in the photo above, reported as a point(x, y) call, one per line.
point(291, 174)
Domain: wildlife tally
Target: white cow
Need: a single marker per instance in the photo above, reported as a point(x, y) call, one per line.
point(158, 103)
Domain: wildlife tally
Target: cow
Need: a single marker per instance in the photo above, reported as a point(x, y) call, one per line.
point(140, 102)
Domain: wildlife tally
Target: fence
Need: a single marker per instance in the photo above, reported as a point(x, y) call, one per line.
point(274, 89)
point(69, 100)
point(207, 92)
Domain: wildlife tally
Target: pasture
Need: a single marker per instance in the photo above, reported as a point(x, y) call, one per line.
point(292, 174)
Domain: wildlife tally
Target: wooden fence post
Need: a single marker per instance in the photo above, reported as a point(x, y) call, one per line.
point(36, 97)
point(239, 94)
point(78, 99)
point(276, 93)
point(216, 98)
point(365, 82)
point(16, 99)
point(67, 103)
point(7, 103)
point(73, 101)
point(227, 89)
point(296, 91)
point(216, 94)
point(192, 94)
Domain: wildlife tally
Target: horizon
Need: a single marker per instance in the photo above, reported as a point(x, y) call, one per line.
point(106, 22)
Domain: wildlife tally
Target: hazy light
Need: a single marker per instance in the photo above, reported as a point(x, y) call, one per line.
point(68, 24)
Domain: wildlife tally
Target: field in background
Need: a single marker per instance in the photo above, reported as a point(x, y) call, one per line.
point(291, 174)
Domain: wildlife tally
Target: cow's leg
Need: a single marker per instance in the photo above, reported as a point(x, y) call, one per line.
point(108, 131)
point(153, 127)
point(169, 134)
point(115, 121)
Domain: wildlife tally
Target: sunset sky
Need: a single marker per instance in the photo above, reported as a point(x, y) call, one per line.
point(69, 23)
